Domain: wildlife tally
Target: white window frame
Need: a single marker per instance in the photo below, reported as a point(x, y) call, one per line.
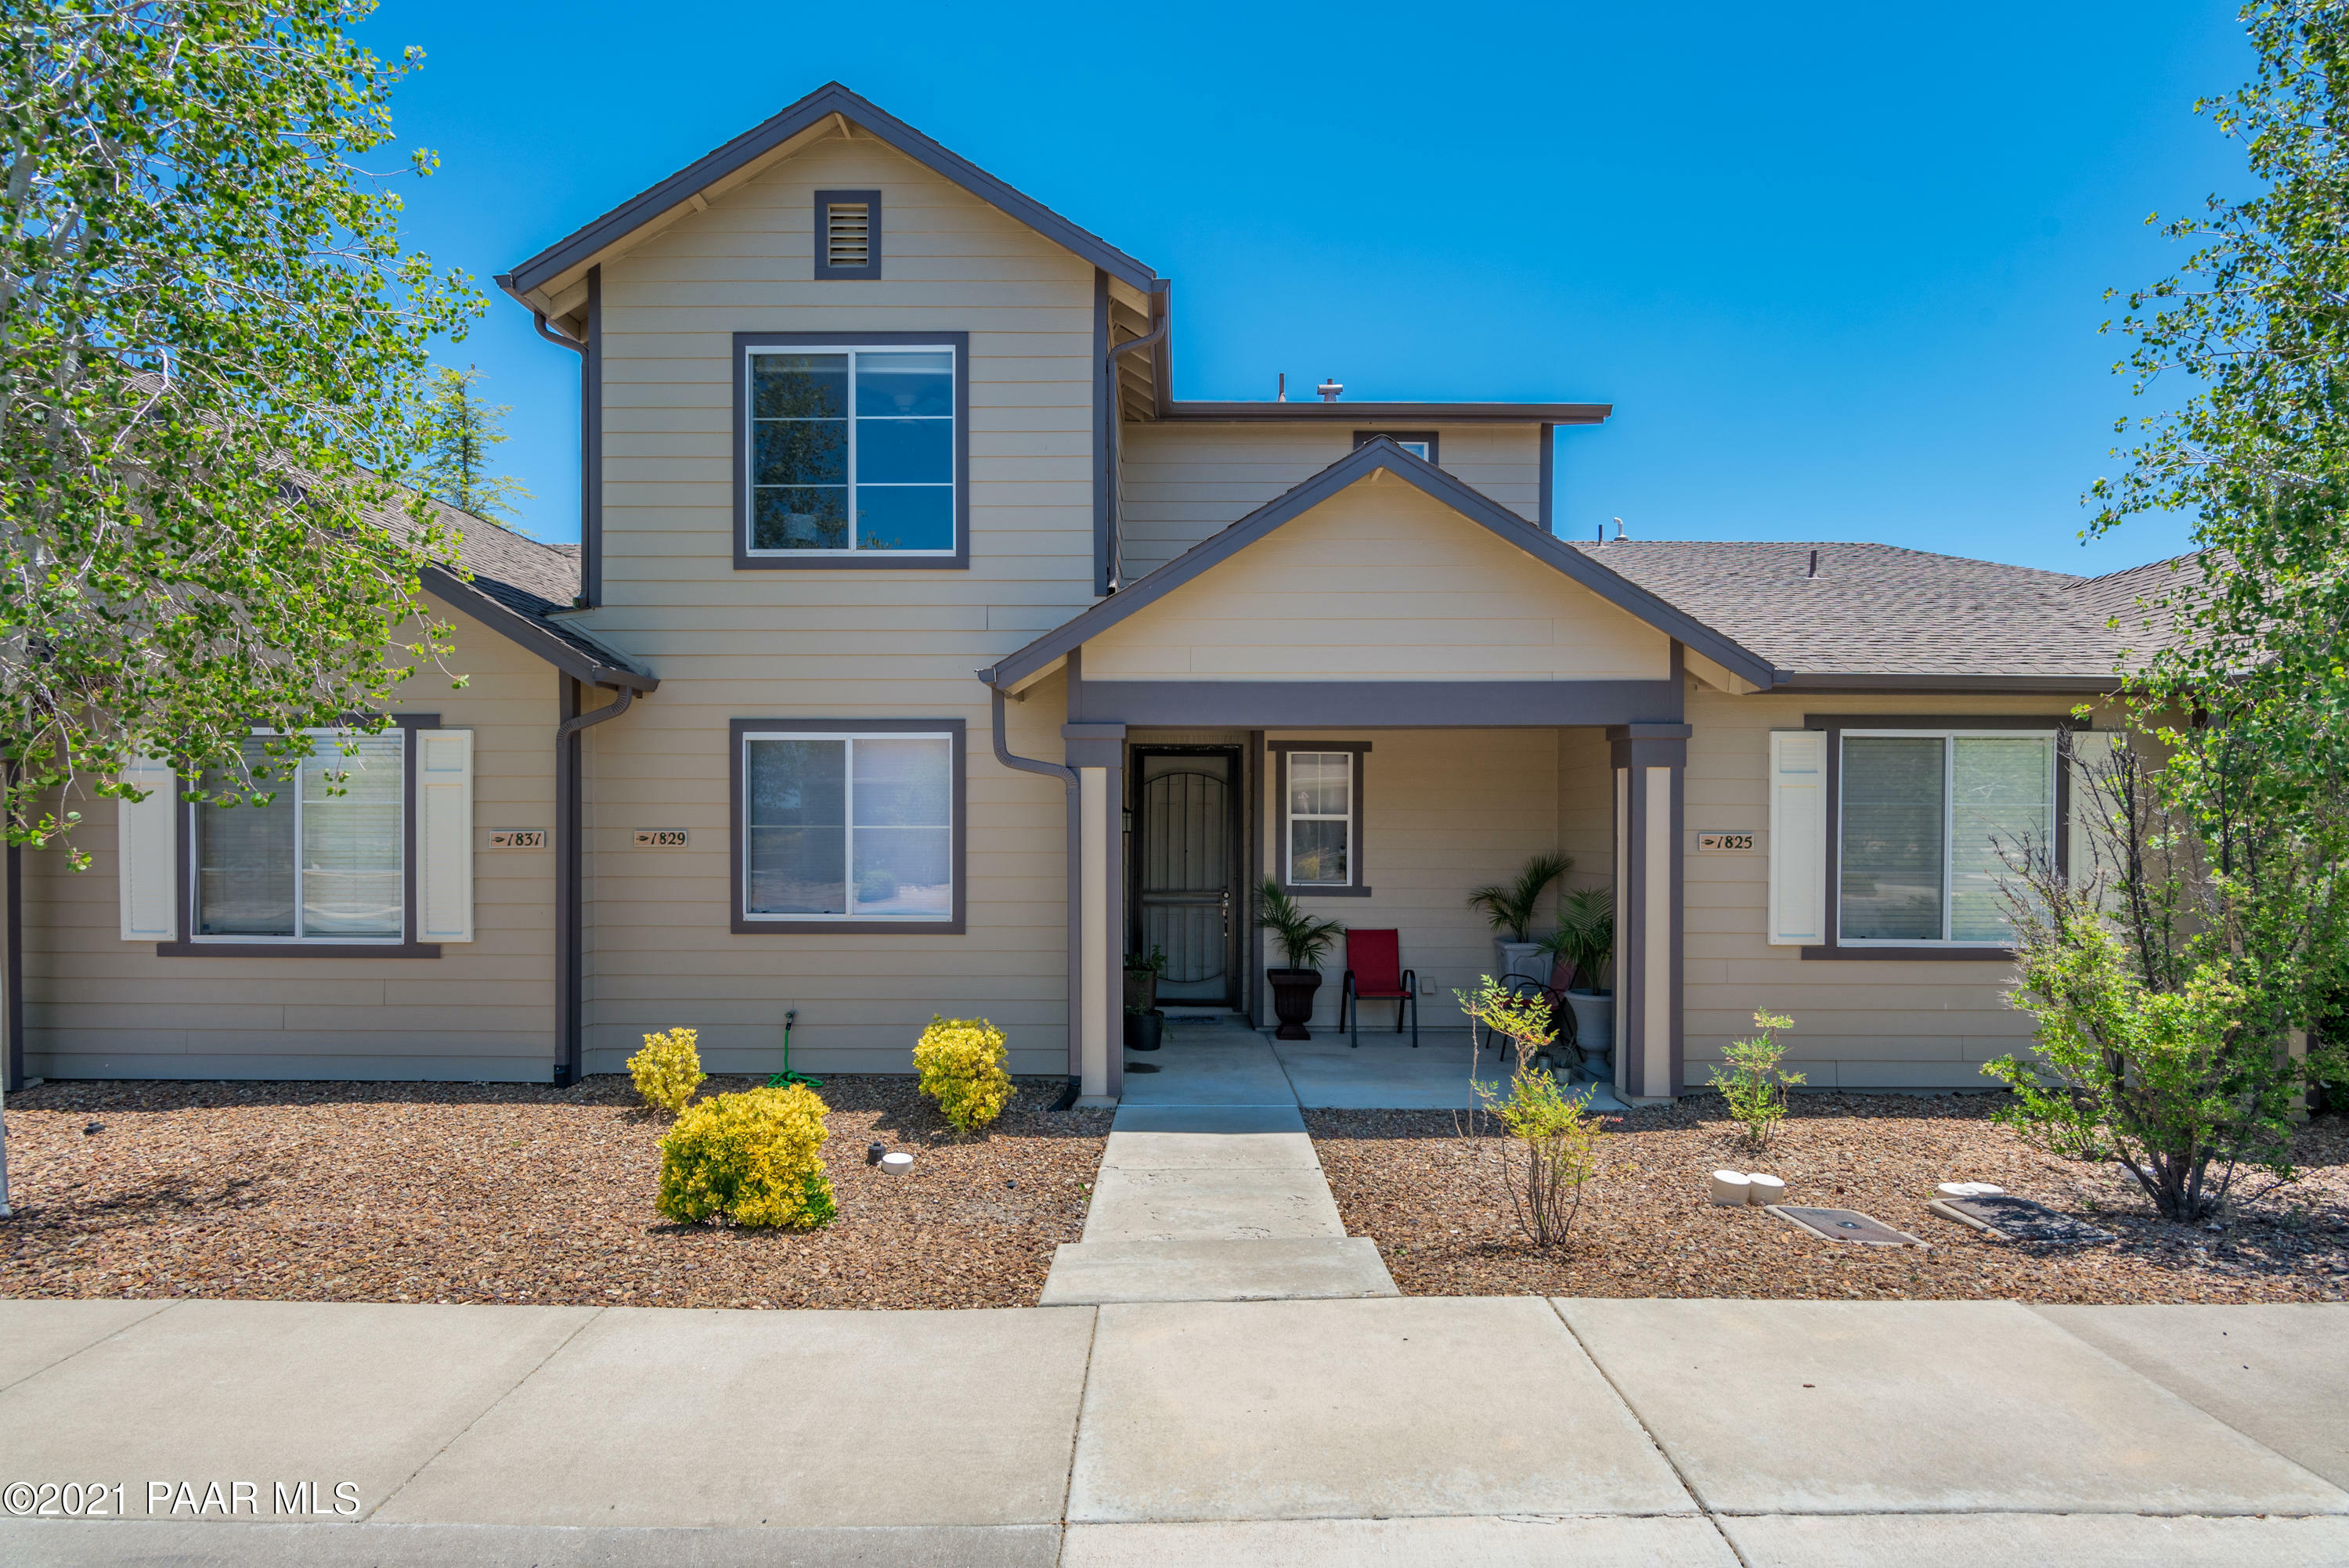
point(1290, 816)
point(194, 914)
point(1949, 821)
point(848, 841)
point(750, 450)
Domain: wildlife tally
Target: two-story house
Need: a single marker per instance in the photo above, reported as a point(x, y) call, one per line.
point(924, 654)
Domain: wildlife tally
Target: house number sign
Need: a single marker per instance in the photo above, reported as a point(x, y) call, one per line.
point(1716, 843)
point(518, 838)
point(660, 837)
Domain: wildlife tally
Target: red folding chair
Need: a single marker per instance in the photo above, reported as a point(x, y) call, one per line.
point(1375, 973)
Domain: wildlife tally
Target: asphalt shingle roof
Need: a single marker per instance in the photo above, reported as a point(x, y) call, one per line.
point(1878, 609)
point(528, 576)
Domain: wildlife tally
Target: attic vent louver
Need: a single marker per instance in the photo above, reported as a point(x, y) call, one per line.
point(848, 235)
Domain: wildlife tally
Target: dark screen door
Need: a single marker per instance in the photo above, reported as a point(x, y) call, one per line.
point(1187, 859)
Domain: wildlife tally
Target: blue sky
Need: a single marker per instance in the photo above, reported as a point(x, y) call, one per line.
point(1839, 268)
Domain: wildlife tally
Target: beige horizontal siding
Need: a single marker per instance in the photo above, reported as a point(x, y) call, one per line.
point(97, 1007)
point(888, 643)
point(1859, 1023)
point(1379, 581)
point(1180, 483)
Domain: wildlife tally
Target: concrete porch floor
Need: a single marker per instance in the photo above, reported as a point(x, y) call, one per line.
point(1228, 1063)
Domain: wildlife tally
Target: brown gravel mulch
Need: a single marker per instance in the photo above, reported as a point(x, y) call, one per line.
point(504, 1192)
point(1431, 1199)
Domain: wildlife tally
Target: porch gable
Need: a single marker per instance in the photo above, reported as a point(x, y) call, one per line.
point(1381, 569)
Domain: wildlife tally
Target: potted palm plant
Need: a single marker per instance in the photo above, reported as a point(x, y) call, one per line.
point(1513, 908)
point(1584, 944)
point(1304, 941)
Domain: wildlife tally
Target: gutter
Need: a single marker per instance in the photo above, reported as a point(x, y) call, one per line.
point(1068, 776)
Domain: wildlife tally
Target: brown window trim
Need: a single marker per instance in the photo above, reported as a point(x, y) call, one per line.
point(1834, 725)
point(191, 946)
point(861, 560)
point(1280, 750)
point(824, 201)
point(736, 846)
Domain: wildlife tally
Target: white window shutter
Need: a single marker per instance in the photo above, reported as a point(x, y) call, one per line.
point(1798, 837)
point(444, 835)
point(147, 854)
point(2091, 748)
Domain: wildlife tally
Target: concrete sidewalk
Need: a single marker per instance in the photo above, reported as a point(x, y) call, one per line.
point(1503, 1430)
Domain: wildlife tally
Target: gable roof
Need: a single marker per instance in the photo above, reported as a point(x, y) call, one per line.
point(810, 114)
point(1380, 455)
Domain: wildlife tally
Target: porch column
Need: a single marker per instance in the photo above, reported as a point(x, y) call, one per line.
point(1650, 761)
point(1097, 751)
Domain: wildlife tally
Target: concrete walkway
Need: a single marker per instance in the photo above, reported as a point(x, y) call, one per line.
point(1213, 1203)
point(1506, 1431)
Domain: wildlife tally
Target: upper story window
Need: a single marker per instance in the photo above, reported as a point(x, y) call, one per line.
point(325, 860)
point(1926, 819)
point(1418, 443)
point(847, 235)
point(855, 449)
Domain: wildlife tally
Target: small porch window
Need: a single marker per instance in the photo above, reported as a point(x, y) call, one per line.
point(1320, 847)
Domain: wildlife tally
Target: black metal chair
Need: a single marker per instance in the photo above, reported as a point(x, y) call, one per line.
point(1566, 1052)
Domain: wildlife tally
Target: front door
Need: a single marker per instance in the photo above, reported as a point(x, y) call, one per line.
point(1187, 897)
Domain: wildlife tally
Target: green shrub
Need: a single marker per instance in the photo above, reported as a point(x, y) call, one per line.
point(667, 1070)
point(1754, 1086)
point(1557, 1150)
point(961, 1064)
point(754, 1158)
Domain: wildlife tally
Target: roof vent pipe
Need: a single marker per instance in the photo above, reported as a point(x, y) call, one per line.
point(1814, 565)
point(1281, 394)
point(1330, 390)
point(1620, 533)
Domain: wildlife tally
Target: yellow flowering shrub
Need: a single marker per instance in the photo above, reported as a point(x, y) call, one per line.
point(961, 1064)
point(667, 1070)
point(754, 1158)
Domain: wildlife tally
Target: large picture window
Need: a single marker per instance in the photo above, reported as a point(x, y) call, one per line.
point(853, 452)
point(1925, 822)
point(849, 825)
point(324, 860)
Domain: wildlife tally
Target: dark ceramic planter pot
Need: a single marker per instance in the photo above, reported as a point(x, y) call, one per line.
point(1141, 990)
point(1143, 1030)
point(1292, 1001)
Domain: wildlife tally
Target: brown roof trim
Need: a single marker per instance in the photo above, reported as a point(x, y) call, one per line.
point(1355, 466)
point(759, 140)
point(533, 636)
point(1375, 413)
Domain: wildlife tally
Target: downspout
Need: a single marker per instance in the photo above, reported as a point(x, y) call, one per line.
point(1068, 776)
point(538, 320)
point(571, 727)
point(1116, 478)
point(570, 956)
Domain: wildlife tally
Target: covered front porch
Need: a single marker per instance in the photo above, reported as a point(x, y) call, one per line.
point(1376, 694)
